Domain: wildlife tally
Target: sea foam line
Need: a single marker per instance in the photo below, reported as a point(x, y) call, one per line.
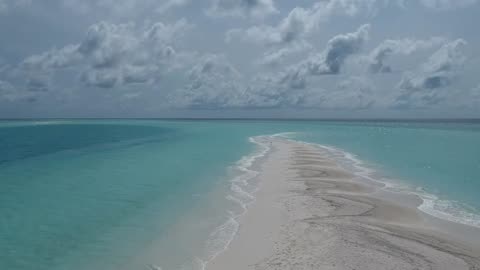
point(432, 205)
point(242, 192)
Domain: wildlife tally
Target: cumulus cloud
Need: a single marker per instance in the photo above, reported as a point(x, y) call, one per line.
point(299, 23)
point(389, 47)
point(55, 58)
point(437, 72)
point(114, 54)
point(330, 61)
point(212, 83)
point(215, 83)
point(275, 57)
point(241, 8)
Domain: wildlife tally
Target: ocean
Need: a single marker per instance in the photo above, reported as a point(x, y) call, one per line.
point(158, 194)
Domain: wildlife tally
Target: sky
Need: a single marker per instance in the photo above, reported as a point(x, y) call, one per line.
point(240, 58)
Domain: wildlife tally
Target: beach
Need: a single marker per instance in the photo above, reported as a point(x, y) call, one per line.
point(310, 213)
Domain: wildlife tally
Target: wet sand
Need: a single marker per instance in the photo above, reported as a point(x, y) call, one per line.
point(312, 214)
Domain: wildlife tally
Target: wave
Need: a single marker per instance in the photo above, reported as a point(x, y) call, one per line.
point(431, 204)
point(244, 185)
point(241, 192)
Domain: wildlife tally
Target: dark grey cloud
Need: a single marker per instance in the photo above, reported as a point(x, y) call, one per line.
point(37, 83)
point(215, 83)
point(439, 71)
point(276, 57)
point(330, 61)
point(299, 23)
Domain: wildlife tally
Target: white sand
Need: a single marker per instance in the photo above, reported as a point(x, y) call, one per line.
point(311, 214)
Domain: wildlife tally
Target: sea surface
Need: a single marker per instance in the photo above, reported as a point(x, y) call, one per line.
point(157, 194)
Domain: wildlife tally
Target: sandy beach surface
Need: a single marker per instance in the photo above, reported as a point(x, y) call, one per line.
point(312, 214)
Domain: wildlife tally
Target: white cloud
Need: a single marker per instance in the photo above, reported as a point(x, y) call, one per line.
point(275, 57)
point(330, 61)
point(376, 59)
point(300, 22)
point(212, 82)
point(439, 71)
point(215, 83)
point(114, 54)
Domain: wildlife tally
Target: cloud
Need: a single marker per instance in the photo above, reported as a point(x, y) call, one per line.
point(353, 93)
point(242, 8)
point(55, 58)
point(215, 83)
point(299, 23)
point(439, 71)
point(121, 8)
point(447, 4)
point(6, 5)
point(389, 47)
point(212, 83)
point(8, 92)
point(170, 4)
point(330, 61)
point(275, 57)
point(114, 54)
point(37, 84)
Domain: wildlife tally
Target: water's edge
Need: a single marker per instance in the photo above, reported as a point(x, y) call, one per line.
point(449, 210)
point(244, 185)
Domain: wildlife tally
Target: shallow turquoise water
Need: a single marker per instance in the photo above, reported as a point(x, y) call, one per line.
point(126, 194)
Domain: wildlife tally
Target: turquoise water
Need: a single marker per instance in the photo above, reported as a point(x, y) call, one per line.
point(128, 194)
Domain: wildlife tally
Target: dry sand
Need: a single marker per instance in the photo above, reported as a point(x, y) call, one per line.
point(312, 214)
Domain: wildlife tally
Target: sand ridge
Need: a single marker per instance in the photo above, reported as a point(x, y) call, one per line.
point(312, 214)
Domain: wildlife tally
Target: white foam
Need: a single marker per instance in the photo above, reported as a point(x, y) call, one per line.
point(431, 204)
point(242, 189)
point(448, 210)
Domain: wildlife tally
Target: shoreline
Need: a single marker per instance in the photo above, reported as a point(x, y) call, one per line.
point(309, 213)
